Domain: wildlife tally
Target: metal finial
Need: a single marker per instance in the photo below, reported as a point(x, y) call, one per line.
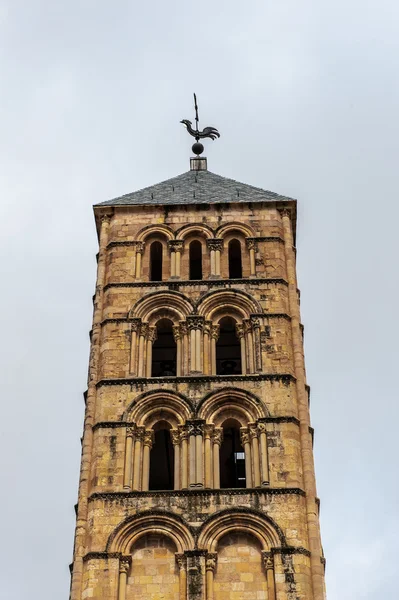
point(207, 132)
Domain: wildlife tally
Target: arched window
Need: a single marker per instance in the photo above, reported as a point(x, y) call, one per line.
point(195, 252)
point(235, 261)
point(228, 351)
point(164, 350)
point(162, 459)
point(156, 261)
point(232, 457)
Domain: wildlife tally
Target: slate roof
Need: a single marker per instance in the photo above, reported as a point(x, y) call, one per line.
point(196, 187)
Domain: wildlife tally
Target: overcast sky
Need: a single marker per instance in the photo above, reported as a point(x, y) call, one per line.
point(305, 94)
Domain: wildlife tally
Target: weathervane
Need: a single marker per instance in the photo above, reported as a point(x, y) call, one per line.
point(207, 132)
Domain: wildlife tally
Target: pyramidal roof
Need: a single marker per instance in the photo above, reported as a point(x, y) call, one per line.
point(197, 186)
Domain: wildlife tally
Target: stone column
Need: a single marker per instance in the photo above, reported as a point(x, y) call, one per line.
point(215, 329)
point(215, 247)
point(151, 337)
point(317, 568)
point(252, 247)
point(175, 437)
point(87, 441)
point(127, 476)
point(253, 433)
point(241, 336)
point(148, 440)
point(207, 350)
point(217, 442)
point(135, 327)
point(185, 347)
point(263, 454)
point(182, 564)
point(255, 323)
point(139, 253)
point(175, 247)
point(208, 434)
point(210, 565)
point(141, 368)
point(246, 443)
point(124, 566)
point(249, 345)
point(172, 261)
point(268, 564)
point(177, 336)
point(184, 456)
point(196, 431)
point(139, 436)
point(195, 325)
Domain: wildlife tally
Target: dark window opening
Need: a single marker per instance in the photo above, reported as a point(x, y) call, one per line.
point(162, 459)
point(232, 457)
point(195, 252)
point(164, 350)
point(235, 261)
point(228, 350)
point(156, 261)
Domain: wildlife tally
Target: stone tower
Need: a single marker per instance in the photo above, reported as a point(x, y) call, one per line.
point(197, 478)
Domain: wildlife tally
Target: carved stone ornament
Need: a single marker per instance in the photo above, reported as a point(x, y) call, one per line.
point(175, 437)
point(124, 564)
point(247, 325)
point(148, 437)
point(176, 245)
point(240, 330)
point(152, 334)
point(176, 332)
point(253, 432)
point(195, 427)
point(209, 430)
point(139, 247)
point(135, 325)
point(194, 322)
point(284, 212)
point(183, 432)
point(245, 439)
point(140, 432)
point(215, 331)
point(262, 428)
point(215, 244)
point(106, 218)
point(208, 327)
point(211, 559)
point(183, 328)
point(130, 431)
point(259, 261)
point(267, 561)
point(218, 436)
point(144, 329)
point(252, 244)
point(181, 560)
point(255, 322)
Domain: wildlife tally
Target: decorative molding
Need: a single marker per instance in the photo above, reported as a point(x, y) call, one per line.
point(195, 426)
point(210, 561)
point(181, 428)
point(181, 560)
point(124, 564)
point(110, 496)
point(258, 239)
point(291, 550)
point(215, 244)
point(285, 378)
point(101, 555)
point(209, 283)
point(268, 562)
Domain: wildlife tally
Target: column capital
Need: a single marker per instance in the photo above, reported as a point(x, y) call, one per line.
point(240, 330)
point(253, 430)
point(176, 245)
point(148, 437)
point(209, 430)
point(215, 244)
point(183, 328)
point(207, 327)
point(176, 332)
point(105, 218)
point(175, 436)
point(139, 433)
point(268, 562)
point(215, 331)
point(252, 244)
point(195, 322)
point(195, 427)
point(210, 561)
point(183, 432)
point(262, 428)
point(144, 329)
point(135, 324)
point(181, 560)
point(218, 436)
point(284, 212)
point(130, 430)
point(245, 437)
point(140, 247)
point(124, 564)
point(247, 325)
point(152, 334)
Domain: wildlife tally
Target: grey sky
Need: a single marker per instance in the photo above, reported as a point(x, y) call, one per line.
point(306, 95)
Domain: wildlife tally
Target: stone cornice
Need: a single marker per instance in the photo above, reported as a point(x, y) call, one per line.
point(264, 315)
point(101, 555)
point(119, 424)
point(291, 550)
point(175, 284)
point(285, 378)
point(197, 492)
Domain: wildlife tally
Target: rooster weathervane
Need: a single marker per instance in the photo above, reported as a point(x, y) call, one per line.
point(207, 132)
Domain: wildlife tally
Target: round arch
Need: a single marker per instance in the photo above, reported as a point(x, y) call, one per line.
point(172, 405)
point(226, 302)
point(239, 404)
point(151, 307)
point(162, 230)
point(127, 533)
point(198, 229)
point(234, 226)
point(249, 521)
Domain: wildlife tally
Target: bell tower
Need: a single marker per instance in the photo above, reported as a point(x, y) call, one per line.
point(197, 478)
